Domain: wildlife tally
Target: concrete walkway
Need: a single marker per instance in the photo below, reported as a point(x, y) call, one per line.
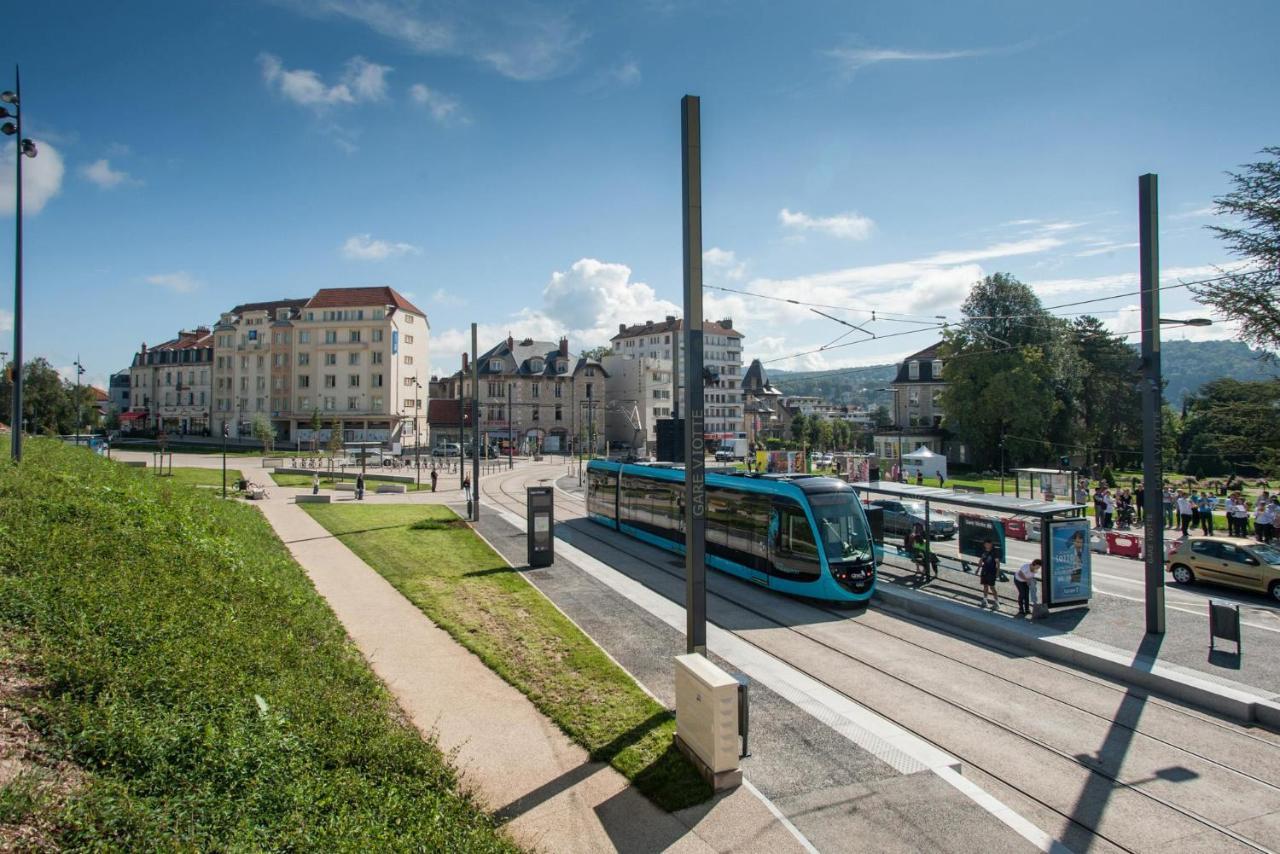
point(521, 765)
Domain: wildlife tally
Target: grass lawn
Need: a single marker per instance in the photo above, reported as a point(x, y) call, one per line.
point(467, 589)
point(183, 661)
point(198, 476)
point(304, 481)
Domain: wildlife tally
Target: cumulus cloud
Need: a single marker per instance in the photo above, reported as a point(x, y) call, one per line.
point(363, 247)
point(6, 321)
point(445, 109)
point(850, 226)
point(445, 297)
point(100, 172)
point(41, 178)
point(180, 282)
point(361, 81)
point(723, 262)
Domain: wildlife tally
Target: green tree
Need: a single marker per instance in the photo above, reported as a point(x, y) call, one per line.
point(813, 432)
point(881, 417)
point(1007, 366)
point(316, 424)
point(263, 431)
point(1109, 405)
point(335, 440)
point(597, 353)
point(1232, 426)
point(1251, 295)
point(799, 427)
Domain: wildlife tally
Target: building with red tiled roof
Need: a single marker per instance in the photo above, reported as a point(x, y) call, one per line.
point(170, 384)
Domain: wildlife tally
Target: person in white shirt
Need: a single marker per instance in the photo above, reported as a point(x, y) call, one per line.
point(1026, 575)
point(1184, 511)
point(1264, 521)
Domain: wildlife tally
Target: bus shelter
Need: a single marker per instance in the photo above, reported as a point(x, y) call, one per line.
point(1047, 483)
point(1065, 577)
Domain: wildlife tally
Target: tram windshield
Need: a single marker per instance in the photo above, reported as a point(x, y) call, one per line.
point(842, 528)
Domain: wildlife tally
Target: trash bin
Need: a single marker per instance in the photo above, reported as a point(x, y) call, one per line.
point(540, 525)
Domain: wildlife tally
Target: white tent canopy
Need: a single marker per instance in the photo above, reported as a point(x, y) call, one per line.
point(925, 462)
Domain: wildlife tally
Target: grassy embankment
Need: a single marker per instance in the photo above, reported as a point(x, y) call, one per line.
point(198, 476)
point(185, 663)
point(470, 591)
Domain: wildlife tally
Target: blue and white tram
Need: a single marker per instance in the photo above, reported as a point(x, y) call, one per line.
point(798, 534)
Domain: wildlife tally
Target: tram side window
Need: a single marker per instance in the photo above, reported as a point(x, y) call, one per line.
point(602, 487)
point(795, 552)
point(631, 497)
point(719, 513)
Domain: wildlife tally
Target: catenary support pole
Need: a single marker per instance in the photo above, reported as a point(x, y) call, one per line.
point(511, 432)
point(695, 507)
point(15, 424)
point(475, 430)
point(462, 424)
point(1152, 473)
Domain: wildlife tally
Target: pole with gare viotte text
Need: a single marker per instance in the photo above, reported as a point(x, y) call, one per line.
point(11, 105)
point(695, 508)
point(475, 429)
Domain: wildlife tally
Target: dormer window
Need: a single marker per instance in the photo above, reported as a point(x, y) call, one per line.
point(937, 369)
point(536, 366)
point(913, 370)
point(495, 364)
point(562, 367)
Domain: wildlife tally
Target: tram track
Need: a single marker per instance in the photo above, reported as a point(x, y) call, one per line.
point(512, 502)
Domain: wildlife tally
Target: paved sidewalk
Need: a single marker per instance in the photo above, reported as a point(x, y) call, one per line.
point(522, 766)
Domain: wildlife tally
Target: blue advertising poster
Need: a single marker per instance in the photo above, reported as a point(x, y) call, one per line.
point(973, 530)
point(1069, 579)
point(395, 341)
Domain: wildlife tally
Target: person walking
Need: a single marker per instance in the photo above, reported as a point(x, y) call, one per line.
point(315, 483)
point(434, 478)
point(360, 487)
point(1023, 579)
point(1168, 499)
point(988, 572)
point(1184, 511)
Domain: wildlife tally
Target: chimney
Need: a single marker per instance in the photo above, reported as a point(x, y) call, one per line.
point(671, 318)
point(564, 346)
point(511, 342)
point(464, 363)
point(144, 348)
point(727, 323)
point(622, 327)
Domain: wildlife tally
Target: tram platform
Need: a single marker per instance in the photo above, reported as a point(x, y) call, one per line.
point(843, 777)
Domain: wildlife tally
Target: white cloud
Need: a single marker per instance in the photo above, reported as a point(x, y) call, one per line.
point(526, 42)
point(41, 178)
point(850, 59)
point(1198, 213)
point(1127, 321)
point(443, 108)
point(851, 226)
point(1115, 281)
point(101, 173)
point(444, 297)
point(6, 321)
point(363, 247)
point(180, 282)
point(361, 81)
point(1104, 248)
point(724, 262)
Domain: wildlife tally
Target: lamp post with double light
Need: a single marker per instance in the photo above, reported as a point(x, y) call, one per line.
point(10, 107)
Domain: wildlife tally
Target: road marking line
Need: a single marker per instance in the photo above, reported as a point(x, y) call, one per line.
point(904, 751)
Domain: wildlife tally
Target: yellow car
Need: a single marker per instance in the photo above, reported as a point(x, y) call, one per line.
point(1236, 561)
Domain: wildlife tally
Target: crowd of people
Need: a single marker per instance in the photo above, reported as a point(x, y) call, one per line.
point(1186, 509)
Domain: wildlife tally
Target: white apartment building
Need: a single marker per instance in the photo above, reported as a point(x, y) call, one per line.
point(351, 358)
point(722, 353)
point(169, 385)
point(637, 387)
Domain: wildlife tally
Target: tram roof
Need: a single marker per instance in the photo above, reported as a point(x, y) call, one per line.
point(978, 501)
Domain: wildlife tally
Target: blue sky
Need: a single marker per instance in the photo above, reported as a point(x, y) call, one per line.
point(518, 164)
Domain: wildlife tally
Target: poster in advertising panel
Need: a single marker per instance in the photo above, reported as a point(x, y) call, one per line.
point(1068, 579)
point(975, 529)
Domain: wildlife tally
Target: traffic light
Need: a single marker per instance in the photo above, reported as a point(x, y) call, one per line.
point(1064, 462)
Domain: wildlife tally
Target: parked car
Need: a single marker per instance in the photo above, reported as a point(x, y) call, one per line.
point(448, 449)
point(901, 516)
point(828, 460)
point(1233, 561)
point(724, 455)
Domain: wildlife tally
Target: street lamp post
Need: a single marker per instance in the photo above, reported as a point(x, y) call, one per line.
point(10, 105)
point(79, 405)
point(417, 437)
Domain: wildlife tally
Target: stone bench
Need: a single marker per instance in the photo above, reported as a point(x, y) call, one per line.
point(391, 488)
point(308, 498)
point(345, 487)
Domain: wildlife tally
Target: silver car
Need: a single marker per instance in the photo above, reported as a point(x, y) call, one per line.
point(901, 516)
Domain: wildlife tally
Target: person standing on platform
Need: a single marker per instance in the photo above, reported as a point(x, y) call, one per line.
point(1184, 511)
point(1026, 575)
point(1207, 503)
point(988, 572)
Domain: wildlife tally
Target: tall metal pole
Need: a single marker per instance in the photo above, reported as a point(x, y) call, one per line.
point(79, 371)
point(475, 430)
point(591, 423)
point(16, 423)
point(511, 431)
point(462, 425)
point(695, 506)
point(1152, 473)
point(417, 437)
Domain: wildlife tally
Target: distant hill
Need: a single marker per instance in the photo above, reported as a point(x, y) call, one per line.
point(1186, 366)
